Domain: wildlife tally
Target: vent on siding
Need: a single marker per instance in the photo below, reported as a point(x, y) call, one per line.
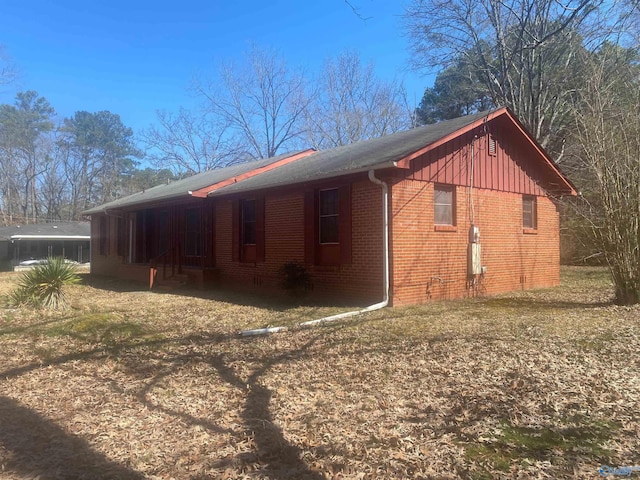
point(492, 146)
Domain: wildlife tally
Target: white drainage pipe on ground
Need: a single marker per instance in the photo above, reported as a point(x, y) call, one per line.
point(262, 331)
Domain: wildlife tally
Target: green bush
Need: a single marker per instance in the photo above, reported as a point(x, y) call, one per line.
point(43, 285)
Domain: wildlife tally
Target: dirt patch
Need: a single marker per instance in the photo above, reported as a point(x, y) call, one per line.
point(138, 384)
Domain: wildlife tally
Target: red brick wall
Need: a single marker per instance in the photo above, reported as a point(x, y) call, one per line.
point(427, 264)
point(359, 281)
point(430, 264)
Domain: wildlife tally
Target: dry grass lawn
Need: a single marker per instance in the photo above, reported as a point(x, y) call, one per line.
point(134, 384)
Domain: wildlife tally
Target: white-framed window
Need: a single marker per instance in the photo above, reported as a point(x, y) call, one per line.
point(444, 200)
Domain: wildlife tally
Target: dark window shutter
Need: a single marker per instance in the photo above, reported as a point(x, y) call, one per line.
point(260, 236)
point(235, 231)
point(345, 224)
point(310, 221)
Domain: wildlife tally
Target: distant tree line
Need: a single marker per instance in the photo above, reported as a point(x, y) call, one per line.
point(54, 170)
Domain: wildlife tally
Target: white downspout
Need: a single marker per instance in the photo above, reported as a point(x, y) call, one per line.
point(385, 273)
point(385, 240)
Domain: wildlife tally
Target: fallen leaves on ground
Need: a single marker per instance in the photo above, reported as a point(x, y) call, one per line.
point(137, 384)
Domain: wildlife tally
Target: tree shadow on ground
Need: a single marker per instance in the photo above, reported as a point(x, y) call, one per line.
point(68, 456)
point(34, 447)
point(274, 455)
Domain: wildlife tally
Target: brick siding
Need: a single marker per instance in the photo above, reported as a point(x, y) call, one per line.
point(359, 281)
point(429, 264)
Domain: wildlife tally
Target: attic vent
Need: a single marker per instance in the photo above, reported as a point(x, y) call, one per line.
point(492, 146)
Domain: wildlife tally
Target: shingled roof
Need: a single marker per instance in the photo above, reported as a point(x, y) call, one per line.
point(374, 154)
point(50, 231)
point(184, 188)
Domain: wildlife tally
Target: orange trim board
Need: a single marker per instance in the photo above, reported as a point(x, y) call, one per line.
point(204, 192)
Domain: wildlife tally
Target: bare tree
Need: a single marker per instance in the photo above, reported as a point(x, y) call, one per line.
point(8, 70)
point(262, 101)
point(352, 104)
point(607, 116)
point(188, 142)
point(23, 130)
point(525, 52)
point(53, 192)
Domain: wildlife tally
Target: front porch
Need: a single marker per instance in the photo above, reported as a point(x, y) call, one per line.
point(172, 244)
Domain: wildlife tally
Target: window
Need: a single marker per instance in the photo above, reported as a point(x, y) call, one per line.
point(529, 212)
point(248, 222)
point(248, 231)
point(193, 240)
point(122, 237)
point(103, 238)
point(327, 226)
point(444, 205)
point(248, 243)
point(329, 216)
point(163, 234)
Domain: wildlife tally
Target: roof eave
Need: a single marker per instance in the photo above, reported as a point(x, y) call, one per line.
point(314, 178)
point(50, 237)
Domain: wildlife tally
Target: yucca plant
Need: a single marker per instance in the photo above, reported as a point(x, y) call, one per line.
point(43, 286)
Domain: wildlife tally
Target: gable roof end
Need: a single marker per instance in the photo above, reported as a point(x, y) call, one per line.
point(563, 183)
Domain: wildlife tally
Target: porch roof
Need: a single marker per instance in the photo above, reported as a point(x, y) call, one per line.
point(48, 231)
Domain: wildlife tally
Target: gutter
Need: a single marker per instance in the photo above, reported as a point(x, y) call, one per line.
point(385, 274)
point(50, 237)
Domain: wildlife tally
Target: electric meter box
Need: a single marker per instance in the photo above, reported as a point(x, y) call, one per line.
point(474, 234)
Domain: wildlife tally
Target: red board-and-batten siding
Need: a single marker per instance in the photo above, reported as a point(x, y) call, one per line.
point(450, 163)
point(429, 263)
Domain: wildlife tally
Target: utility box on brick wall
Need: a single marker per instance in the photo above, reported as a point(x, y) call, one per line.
point(475, 259)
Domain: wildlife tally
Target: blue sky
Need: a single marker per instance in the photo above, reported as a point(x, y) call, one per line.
point(133, 58)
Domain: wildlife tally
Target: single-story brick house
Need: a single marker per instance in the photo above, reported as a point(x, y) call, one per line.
point(460, 208)
point(41, 240)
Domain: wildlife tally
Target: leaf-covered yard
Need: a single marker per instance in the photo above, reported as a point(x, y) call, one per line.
point(138, 384)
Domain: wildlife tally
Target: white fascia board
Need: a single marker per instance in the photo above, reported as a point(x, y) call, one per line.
point(50, 237)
